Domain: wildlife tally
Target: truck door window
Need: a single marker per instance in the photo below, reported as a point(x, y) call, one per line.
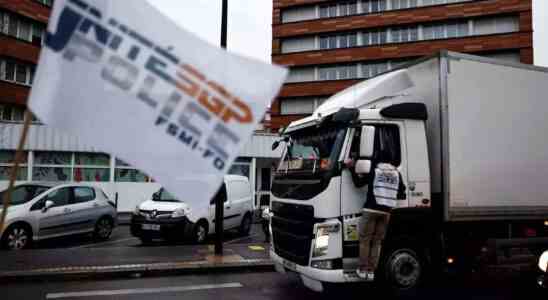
point(387, 144)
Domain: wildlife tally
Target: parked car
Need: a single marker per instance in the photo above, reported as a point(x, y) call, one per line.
point(164, 216)
point(42, 210)
point(543, 265)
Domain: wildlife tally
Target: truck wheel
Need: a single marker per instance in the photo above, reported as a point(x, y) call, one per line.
point(403, 271)
point(245, 226)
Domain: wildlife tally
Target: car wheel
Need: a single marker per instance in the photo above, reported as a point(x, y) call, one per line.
point(245, 226)
point(403, 272)
point(17, 237)
point(200, 232)
point(103, 229)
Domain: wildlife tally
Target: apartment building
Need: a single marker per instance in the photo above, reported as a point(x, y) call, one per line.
point(330, 45)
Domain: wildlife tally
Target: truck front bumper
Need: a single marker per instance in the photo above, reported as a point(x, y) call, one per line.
point(313, 278)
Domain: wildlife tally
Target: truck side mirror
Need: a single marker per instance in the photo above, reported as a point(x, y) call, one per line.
point(367, 141)
point(363, 166)
point(275, 145)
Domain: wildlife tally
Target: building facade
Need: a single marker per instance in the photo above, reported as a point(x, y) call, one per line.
point(53, 156)
point(330, 45)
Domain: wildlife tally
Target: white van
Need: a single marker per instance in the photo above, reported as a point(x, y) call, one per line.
point(164, 216)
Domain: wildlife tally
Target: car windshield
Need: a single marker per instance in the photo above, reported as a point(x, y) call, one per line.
point(164, 196)
point(312, 150)
point(24, 193)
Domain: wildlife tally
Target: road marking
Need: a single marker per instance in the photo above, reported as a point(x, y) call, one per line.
point(143, 291)
point(241, 239)
point(256, 248)
point(104, 243)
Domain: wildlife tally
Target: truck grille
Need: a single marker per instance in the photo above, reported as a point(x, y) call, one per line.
point(292, 231)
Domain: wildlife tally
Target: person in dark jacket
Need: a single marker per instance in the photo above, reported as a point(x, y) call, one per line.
point(385, 188)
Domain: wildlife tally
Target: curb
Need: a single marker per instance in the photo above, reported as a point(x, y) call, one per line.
point(137, 270)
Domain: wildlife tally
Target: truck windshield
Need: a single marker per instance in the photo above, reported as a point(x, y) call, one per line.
point(312, 150)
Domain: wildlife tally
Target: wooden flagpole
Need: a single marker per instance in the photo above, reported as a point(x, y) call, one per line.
point(13, 172)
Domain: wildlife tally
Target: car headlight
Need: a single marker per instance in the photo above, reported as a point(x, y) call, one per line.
point(321, 244)
point(136, 211)
point(178, 213)
point(543, 261)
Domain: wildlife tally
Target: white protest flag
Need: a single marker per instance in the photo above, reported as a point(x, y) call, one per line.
point(128, 81)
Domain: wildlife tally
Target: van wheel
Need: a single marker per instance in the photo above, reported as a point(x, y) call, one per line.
point(103, 229)
point(17, 237)
point(403, 271)
point(200, 232)
point(245, 226)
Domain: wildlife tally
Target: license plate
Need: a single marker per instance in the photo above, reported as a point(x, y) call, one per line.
point(290, 265)
point(154, 227)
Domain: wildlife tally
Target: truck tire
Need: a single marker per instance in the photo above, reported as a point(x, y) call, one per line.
point(403, 271)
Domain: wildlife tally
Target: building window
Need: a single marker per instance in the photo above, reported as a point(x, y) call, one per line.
point(46, 2)
point(349, 8)
point(22, 28)
point(405, 34)
point(125, 173)
point(300, 105)
point(7, 160)
point(13, 71)
point(14, 114)
point(92, 167)
point(52, 166)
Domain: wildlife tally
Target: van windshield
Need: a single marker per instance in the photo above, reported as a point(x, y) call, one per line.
point(164, 196)
point(312, 150)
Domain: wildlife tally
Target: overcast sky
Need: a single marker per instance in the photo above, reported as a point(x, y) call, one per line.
point(250, 22)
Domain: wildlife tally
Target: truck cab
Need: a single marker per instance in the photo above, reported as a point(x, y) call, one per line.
point(317, 199)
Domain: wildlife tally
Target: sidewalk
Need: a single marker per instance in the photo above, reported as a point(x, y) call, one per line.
point(63, 263)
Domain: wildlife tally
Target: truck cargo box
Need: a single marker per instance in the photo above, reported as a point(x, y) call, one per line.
point(487, 132)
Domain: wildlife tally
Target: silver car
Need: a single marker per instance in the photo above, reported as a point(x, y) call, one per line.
point(40, 211)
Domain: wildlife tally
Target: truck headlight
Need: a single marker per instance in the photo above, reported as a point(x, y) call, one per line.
point(543, 261)
point(178, 213)
point(321, 244)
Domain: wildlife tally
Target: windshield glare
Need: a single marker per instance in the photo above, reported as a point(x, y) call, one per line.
point(312, 150)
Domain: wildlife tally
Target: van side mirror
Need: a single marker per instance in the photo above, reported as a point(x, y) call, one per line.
point(47, 205)
point(275, 145)
point(156, 196)
point(363, 166)
point(367, 141)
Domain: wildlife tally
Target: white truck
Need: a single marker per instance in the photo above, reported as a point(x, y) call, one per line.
point(467, 134)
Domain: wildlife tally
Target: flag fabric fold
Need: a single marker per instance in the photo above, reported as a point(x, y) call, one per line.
point(124, 78)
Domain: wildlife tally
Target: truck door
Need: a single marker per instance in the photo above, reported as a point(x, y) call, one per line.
point(390, 144)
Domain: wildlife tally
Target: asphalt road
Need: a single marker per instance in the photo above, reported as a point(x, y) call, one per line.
point(256, 286)
point(121, 237)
